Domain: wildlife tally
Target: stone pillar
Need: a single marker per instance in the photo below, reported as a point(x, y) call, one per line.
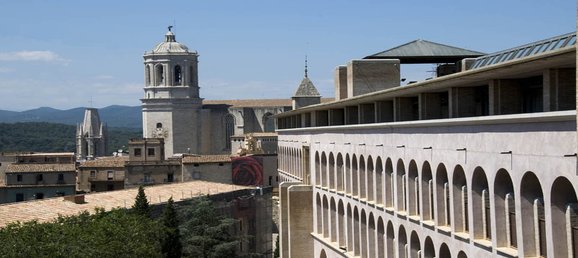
point(284, 218)
point(300, 220)
point(366, 76)
point(558, 89)
point(340, 82)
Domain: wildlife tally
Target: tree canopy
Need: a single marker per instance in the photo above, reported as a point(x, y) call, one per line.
point(207, 233)
point(117, 233)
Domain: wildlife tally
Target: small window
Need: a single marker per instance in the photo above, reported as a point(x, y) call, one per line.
point(110, 175)
point(19, 197)
point(137, 152)
point(39, 196)
point(92, 174)
point(19, 178)
point(195, 164)
point(221, 164)
point(151, 152)
point(147, 178)
point(39, 177)
point(60, 177)
point(170, 178)
point(159, 125)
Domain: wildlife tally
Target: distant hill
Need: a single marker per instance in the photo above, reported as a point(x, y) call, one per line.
point(113, 116)
point(50, 137)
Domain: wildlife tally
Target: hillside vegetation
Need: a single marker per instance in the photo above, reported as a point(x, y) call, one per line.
point(50, 137)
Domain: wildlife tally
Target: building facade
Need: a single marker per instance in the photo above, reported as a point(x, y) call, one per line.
point(478, 162)
point(37, 176)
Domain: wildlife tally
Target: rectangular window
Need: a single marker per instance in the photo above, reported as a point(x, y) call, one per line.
point(110, 175)
point(92, 174)
point(39, 178)
point(137, 152)
point(170, 178)
point(18, 178)
point(147, 178)
point(150, 152)
point(60, 177)
point(19, 197)
point(39, 196)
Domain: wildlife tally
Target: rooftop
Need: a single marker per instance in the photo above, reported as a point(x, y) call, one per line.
point(17, 168)
point(256, 102)
point(105, 162)
point(49, 209)
point(423, 51)
point(306, 89)
point(206, 159)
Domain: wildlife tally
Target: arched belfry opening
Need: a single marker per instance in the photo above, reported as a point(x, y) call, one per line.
point(159, 75)
point(178, 75)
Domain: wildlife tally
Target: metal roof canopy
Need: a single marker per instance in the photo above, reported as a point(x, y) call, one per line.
point(425, 52)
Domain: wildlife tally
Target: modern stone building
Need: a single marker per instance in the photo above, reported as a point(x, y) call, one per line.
point(91, 136)
point(479, 161)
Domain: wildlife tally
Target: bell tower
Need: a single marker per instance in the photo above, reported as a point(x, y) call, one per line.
point(171, 104)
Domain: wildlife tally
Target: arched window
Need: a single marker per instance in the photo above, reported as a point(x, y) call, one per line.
point(178, 75)
point(191, 74)
point(268, 123)
point(159, 125)
point(159, 75)
point(229, 125)
point(147, 75)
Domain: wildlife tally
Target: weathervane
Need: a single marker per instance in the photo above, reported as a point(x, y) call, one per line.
point(170, 27)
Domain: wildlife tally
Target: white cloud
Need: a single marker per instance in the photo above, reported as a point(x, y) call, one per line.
point(43, 56)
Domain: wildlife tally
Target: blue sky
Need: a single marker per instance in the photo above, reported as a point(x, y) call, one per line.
point(62, 54)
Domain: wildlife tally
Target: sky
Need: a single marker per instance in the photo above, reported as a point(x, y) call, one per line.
point(66, 54)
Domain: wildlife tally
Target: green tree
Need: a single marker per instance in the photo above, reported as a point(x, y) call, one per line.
point(117, 233)
point(208, 234)
point(141, 204)
point(171, 244)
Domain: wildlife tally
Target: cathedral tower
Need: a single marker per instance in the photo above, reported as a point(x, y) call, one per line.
point(171, 104)
point(91, 136)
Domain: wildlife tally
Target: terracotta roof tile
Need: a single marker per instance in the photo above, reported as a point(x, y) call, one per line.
point(16, 168)
point(49, 209)
point(207, 159)
point(106, 162)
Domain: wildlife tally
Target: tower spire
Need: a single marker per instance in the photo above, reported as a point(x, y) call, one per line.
point(305, 66)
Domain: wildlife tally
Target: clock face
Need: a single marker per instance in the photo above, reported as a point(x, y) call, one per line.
point(160, 133)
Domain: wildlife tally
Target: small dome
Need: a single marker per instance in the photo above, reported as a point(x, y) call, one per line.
point(170, 45)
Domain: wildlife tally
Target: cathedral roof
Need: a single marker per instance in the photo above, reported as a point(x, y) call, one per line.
point(250, 102)
point(306, 89)
point(240, 103)
point(170, 45)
